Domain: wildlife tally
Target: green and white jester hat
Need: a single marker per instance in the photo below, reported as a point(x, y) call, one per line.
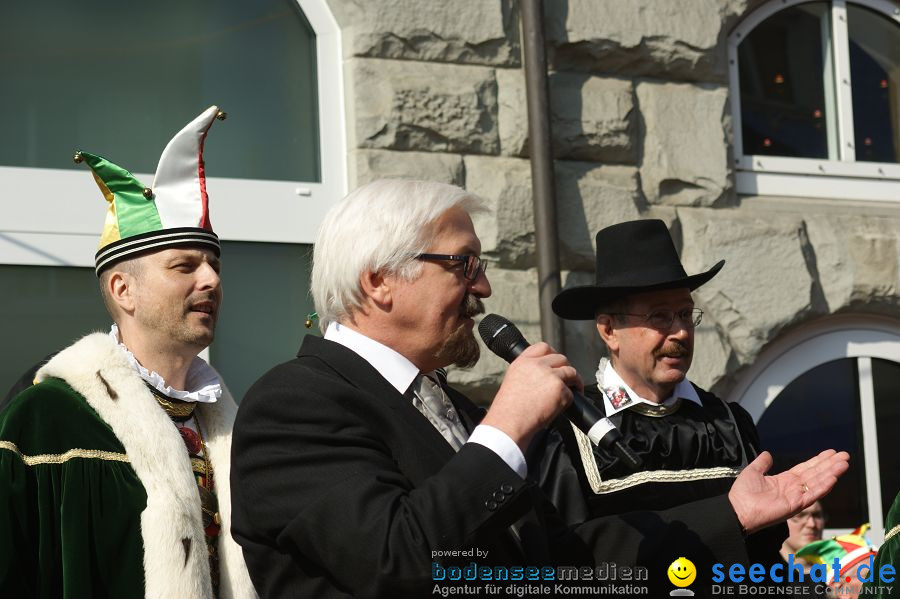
point(174, 212)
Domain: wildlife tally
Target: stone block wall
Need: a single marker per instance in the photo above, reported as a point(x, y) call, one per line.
point(641, 128)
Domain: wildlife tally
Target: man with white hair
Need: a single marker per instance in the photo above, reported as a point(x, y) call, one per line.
point(359, 473)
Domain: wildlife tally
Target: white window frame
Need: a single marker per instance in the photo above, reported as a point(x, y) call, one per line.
point(806, 177)
point(47, 217)
point(862, 338)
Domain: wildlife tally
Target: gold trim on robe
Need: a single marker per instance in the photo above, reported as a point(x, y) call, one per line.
point(60, 458)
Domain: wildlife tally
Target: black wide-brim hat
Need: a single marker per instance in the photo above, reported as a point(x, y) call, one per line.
point(632, 257)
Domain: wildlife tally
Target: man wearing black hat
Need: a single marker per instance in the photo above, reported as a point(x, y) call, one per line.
point(692, 444)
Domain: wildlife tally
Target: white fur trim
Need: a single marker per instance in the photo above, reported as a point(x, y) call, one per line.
point(218, 420)
point(157, 455)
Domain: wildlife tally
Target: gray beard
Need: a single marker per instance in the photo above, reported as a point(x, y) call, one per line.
point(461, 349)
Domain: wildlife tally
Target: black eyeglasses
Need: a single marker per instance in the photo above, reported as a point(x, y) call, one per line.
point(473, 265)
point(662, 319)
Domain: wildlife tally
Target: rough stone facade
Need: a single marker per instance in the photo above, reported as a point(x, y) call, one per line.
point(641, 128)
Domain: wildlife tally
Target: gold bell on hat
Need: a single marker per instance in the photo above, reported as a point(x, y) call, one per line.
point(78, 158)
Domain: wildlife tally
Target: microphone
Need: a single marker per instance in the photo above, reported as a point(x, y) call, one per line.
point(504, 339)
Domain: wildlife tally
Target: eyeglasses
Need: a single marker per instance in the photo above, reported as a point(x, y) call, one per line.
point(472, 265)
point(804, 516)
point(662, 319)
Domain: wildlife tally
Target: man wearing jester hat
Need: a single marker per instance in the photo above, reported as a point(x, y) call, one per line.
point(114, 465)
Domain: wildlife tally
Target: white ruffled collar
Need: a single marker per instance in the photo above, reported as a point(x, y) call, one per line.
point(204, 382)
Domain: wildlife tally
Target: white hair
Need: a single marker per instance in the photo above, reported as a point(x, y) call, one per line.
point(379, 227)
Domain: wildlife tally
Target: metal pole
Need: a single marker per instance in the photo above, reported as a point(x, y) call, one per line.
point(542, 178)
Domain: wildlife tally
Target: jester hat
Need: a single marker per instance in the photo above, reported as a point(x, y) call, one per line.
point(174, 212)
point(851, 550)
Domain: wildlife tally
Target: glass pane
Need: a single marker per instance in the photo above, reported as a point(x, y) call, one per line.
point(42, 310)
point(266, 303)
point(820, 410)
point(787, 90)
point(119, 79)
point(875, 73)
point(886, 380)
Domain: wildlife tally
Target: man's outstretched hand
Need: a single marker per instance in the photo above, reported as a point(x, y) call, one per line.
point(760, 500)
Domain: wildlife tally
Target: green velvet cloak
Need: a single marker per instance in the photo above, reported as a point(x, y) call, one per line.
point(97, 496)
point(888, 553)
point(70, 503)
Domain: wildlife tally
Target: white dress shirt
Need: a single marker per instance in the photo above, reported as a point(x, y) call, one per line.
point(612, 385)
point(400, 373)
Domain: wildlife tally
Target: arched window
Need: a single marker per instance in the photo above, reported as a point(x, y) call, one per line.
point(119, 79)
point(834, 385)
point(816, 99)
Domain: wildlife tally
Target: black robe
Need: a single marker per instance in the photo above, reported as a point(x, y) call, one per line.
point(691, 454)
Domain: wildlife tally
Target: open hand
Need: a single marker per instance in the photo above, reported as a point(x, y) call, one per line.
point(760, 500)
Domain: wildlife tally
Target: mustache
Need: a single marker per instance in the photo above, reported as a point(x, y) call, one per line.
point(471, 306)
point(675, 349)
point(204, 296)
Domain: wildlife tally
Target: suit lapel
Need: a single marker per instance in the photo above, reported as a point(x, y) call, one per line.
point(420, 437)
point(420, 450)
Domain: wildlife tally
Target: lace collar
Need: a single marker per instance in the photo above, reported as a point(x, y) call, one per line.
point(202, 380)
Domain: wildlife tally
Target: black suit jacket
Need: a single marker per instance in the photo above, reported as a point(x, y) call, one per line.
point(342, 488)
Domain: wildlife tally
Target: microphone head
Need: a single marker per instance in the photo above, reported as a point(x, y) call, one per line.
point(502, 337)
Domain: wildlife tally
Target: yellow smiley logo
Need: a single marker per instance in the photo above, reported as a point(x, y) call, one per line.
point(682, 572)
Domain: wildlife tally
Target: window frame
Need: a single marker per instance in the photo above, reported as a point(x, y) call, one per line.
point(64, 233)
point(813, 177)
point(857, 337)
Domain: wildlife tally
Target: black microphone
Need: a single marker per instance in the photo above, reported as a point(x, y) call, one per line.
point(504, 339)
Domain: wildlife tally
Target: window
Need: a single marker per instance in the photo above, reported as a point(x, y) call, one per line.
point(834, 385)
point(264, 310)
point(816, 99)
point(42, 310)
point(120, 80)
